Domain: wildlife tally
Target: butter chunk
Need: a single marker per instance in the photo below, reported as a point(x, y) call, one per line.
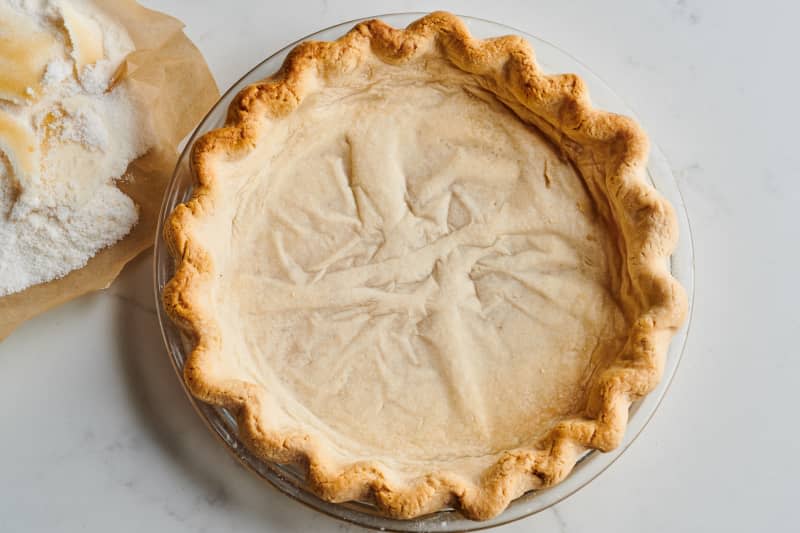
point(85, 35)
point(20, 146)
point(25, 51)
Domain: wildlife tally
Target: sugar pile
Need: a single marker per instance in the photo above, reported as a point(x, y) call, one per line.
point(59, 211)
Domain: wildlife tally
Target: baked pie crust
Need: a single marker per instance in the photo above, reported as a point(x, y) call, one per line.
point(423, 270)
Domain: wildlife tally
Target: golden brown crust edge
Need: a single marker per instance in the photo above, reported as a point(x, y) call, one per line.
point(648, 235)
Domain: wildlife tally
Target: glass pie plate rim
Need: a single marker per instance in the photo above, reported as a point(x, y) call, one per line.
point(288, 479)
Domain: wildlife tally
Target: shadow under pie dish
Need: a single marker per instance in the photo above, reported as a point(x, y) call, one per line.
point(423, 269)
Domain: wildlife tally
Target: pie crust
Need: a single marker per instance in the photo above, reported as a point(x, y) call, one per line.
point(491, 430)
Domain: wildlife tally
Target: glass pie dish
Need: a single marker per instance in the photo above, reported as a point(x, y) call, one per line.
point(289, 479)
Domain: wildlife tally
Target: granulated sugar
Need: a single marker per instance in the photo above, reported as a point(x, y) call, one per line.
point(57, 71)
point(54, 219)
point(49, 243)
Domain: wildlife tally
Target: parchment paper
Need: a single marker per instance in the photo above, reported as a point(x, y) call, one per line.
point(170, 75)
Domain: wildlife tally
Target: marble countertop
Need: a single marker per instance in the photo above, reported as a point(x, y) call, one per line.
point(97, 432)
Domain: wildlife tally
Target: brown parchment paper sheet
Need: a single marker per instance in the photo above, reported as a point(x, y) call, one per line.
point(169, 74)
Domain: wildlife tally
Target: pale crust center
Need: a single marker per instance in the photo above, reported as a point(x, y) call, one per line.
point(415, 273)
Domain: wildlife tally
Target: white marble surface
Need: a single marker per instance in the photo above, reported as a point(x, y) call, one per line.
point(98, 436)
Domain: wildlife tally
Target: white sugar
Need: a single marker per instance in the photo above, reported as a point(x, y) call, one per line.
point(56, 72)
point(54, 224)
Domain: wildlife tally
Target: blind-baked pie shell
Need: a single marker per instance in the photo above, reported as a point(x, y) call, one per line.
point(423, 270)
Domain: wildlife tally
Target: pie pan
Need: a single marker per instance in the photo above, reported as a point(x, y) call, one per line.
point(290, 480)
